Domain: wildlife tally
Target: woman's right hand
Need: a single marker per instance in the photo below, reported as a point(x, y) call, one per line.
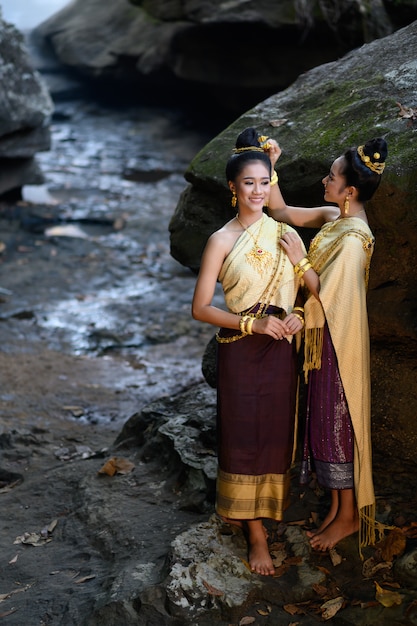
point(273, 150)
point(270, 325)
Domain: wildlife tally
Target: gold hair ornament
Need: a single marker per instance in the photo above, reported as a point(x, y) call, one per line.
point(376, 167)
point(247, 148)
point(263, 140)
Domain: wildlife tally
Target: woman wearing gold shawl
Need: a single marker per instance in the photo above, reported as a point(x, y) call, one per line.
point(338, 442)
point(256, 365)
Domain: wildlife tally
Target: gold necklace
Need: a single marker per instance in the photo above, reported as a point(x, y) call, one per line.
point(259, 258)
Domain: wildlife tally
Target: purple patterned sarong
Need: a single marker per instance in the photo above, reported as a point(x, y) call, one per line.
point(328, 443)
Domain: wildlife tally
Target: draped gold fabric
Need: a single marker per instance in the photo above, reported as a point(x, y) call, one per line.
point(341, 253)
point(244, 285)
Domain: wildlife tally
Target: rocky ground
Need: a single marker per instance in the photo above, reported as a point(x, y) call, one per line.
point(95, 323)
point(95, 326)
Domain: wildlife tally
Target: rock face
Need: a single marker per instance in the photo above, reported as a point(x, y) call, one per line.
point(369, 92)
point(231, 54)
point(25, 110)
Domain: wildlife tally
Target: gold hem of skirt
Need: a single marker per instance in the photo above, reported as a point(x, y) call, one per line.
point(242, 497)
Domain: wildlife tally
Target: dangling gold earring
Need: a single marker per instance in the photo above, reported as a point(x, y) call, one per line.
point(346, 205)
point(234, 199)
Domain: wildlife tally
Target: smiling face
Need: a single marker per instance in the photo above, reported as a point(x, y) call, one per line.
point(252, 187)
point(335, 188)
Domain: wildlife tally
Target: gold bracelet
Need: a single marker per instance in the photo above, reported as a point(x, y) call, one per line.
point(300, 271)
point(298, 308)
point(249, 324)
point(274, 178)
point(299, 317)
point(303, 261)
point(242, 324)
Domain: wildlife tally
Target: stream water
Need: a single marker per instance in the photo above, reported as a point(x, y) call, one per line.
point(94, 272)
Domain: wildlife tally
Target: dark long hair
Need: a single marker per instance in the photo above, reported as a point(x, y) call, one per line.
point(360, 175)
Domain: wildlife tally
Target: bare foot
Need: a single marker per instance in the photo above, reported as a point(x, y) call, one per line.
point(259, 558)
point(325, 523)
point(338, 529)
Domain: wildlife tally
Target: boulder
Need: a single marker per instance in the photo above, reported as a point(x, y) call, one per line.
point(369, 92)
point(25, 111)
point(228, 54)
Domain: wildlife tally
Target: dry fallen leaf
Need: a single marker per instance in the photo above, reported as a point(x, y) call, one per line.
point(116, 465)
point(4, 596)
point(294, 609)
point(14, 559)
point(387, 598)
point(278, 556)
point(212, 590)
point(320, 590)
point(6, 613)
point(371, 566)
point(277, 123)
point(281, 570)
point(335, 557)
point(331, 607)
point(84, 579)
point(265, 612)
point(393, 544)
point(246, 564)
point(246, 620)
point(407, 112)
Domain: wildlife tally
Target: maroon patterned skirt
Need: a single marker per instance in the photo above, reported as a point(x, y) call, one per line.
point(328, 443)
point(256, 394)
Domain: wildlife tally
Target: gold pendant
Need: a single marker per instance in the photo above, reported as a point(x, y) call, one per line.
point(260, 259)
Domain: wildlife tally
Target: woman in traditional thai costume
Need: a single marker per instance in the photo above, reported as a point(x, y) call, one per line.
point(256, 365)
point(337, 359)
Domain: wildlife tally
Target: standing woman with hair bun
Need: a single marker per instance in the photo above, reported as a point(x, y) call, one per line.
point(337, 354)
point(256, 357)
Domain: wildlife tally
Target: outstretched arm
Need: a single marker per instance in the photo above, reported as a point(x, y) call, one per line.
point(310, 217)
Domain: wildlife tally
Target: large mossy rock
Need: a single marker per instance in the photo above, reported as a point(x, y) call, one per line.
point(370, 92)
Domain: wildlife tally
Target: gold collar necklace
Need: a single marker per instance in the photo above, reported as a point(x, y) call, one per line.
point(259, 258)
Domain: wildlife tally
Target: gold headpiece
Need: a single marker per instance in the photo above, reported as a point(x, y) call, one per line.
point(263, 140)
point(376, 167)
point(246, 148)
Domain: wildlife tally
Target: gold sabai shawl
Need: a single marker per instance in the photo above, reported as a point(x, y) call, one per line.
point(248, 279)
point(341, 254)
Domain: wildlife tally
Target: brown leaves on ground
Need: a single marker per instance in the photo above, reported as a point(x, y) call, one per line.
point(212, 590)
point(39, 538)
point(116, 465)
point(386, 597)
point(407, 112)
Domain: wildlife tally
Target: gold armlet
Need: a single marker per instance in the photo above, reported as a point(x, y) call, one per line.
point(274, 179)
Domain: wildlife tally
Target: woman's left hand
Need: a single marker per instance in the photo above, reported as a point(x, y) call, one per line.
point(293, 323)
point(293, 246)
